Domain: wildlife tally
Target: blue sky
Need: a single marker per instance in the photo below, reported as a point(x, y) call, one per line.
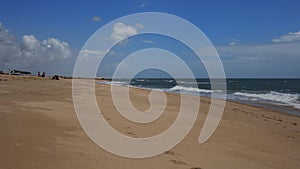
point(254, 38)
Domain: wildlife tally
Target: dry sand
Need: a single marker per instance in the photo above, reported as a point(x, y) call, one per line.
point(39, 130)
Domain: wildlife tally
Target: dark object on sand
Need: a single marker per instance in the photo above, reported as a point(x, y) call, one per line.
point(39, 73)
point(55, 77)
point(44, 74)
point(19, 72)
point(3, 73)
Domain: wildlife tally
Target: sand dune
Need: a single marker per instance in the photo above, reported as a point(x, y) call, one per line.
point(39, 129)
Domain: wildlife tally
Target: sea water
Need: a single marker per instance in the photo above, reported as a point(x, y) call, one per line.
point(278, 94)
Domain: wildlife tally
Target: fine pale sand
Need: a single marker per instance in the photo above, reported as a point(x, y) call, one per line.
point(39, 130)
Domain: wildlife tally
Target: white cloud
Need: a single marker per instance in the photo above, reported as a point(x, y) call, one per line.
point(148, 41)
point(290, 37)
point(139, 26)
point(56, 49)
point(91, 55)
point(39, 53)
point(142, 4)
point(30, 42)
point(232, 43)
point(9, 49)
point(96, 19)
point(121, 31)
point(30, 52)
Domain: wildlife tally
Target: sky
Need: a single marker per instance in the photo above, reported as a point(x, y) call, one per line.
point(254, 39)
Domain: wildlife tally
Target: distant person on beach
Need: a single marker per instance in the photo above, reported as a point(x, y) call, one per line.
point(39, 73)
point(44, 74)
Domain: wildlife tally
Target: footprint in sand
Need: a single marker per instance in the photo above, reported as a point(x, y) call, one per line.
point(178, 162)
point(172, 153)
point(2, 116)
point(131, 134)
point(169, 153)
point(291, 137)
point(295, 124)
point(107, 118)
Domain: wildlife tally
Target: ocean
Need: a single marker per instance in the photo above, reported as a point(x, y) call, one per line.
point(277, 94)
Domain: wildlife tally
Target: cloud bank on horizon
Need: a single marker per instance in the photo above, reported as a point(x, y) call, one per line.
point(290, 37)
point(29, 52)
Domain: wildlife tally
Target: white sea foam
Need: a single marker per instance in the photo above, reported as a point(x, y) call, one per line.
point(117, 83)
point(189, 89)
point(276, 97)
point(140, 80)
point(193, 83)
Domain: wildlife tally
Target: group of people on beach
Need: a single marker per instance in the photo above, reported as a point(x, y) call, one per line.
point(55, 77)
point(43, 74)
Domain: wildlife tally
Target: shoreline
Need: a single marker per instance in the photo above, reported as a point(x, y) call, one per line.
point(289, 110)
point(39, 129)
point(286, 110)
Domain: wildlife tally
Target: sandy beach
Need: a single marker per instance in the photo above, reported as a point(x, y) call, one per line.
point(39, 129)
